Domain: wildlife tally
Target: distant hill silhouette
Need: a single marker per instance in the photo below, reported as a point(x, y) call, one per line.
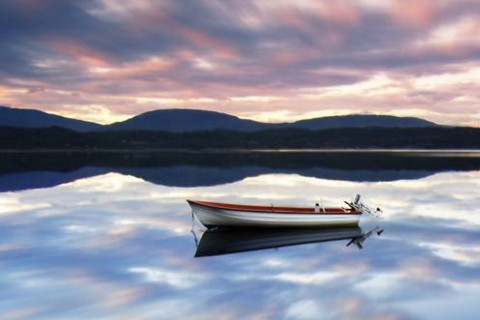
point(188, 120)
point(360, 121)
point(27, 118)
point(183, 120)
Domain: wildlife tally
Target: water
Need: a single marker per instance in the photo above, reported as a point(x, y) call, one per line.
point(108, 236)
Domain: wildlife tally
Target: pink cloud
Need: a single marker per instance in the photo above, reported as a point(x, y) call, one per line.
point(284, 57)
point(295, 18)
point(209, 43)
point(414, 13)
point(341, 12)
point(80, 52)
point(452, 40)
point(150, 66)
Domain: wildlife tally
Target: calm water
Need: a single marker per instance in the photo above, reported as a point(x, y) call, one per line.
point(109, 237)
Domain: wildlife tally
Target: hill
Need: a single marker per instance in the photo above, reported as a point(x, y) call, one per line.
point(360, 121)
point(27, 118)
point(186, 120)
point(189, 120)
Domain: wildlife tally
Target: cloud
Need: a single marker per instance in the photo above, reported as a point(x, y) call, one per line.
point(414, 13)
point(216, 55)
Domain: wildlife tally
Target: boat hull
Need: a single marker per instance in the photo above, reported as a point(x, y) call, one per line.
point(213, 216)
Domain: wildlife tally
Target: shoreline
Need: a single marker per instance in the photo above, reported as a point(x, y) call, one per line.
point(236, 150)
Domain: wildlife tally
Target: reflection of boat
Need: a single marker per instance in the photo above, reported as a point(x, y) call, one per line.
point(359, 240)
point(223, 214)
point(223, 241)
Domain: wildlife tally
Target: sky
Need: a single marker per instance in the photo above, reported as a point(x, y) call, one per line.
point(268, 60)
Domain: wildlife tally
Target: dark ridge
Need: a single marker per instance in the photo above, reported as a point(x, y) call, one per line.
point(361, 121)
point(185, 120)
point(189, 120)
point(28, 118)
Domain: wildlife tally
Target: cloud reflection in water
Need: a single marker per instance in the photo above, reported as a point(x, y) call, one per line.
point(114, 246)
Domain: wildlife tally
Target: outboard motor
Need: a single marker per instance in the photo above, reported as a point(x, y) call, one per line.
point(357, 205)
point(357, 199)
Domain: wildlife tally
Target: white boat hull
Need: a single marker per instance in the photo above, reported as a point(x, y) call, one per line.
point(223, 217)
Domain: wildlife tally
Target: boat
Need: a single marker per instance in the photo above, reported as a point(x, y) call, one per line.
point(214, 214)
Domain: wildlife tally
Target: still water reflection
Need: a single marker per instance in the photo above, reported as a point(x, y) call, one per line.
point(109, 238)
point(223, 241)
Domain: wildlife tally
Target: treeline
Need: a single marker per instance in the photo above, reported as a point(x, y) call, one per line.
point(357, 138)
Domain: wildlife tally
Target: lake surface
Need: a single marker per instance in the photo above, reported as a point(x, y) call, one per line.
point(109, 236)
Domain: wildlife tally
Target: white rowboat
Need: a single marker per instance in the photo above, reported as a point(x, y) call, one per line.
point(214, 214)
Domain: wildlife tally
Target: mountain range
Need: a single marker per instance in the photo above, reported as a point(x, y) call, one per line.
point(188, 120)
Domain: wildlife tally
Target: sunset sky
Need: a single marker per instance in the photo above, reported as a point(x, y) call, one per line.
point(268, 60)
